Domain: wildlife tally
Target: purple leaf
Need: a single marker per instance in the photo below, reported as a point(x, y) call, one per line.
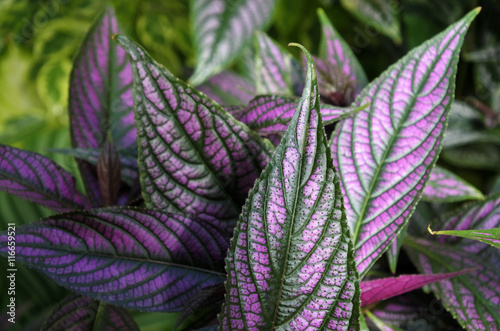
point(276, 69)
point(228, 88)
point(473, 298)
point(222, 29)
point(290, 265)
point(378, 14)
point(37, 178)
point(270, 115)
point(138, 259)
point(193, 156)
point(384, 154)
point(445, 186)
point(76, 312)
point(384, 288)
point(335, 51)
point(100, 98)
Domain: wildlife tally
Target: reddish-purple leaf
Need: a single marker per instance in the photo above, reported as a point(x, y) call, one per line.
point(270, 115)
point(384, 288)
point(138, 259)
point(384, 154)
point(291, 265)
point(37, 178)
point(228, 88)
point(445, 186)
point(193, 156)
point(100, 97)
point(76, 312)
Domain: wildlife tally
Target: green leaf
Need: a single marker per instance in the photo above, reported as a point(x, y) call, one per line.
point(488, 236)
point(222, 28)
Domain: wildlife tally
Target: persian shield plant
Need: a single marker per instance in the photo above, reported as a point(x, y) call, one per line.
point(270, 212)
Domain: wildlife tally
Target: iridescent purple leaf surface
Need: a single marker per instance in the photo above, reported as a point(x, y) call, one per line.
point(228, 88)
point(276, 69)
point(222, 29)
point(384, 154)
point(76, 312)
point(291, 265)
point(193, 156)
point(270, 115)
point(334, 50)
point(445, 186)
point(100, 97)
point(37, 178)
point(138, 259)
point(488, 236)
point(384, 288)
point(472, 298)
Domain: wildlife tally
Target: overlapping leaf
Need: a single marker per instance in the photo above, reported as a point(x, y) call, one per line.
point(76, 312)
point(276, 69)
point(334, 50)
point(139, 259)
point(270, 115)
point(100, 97)
point(384, 154)
point(193, 156)
point(472, 298)
point(37, 178)
point(228, 88)
point(384, 288)
point(445, 186)
point(221, 30)
point(290, 265)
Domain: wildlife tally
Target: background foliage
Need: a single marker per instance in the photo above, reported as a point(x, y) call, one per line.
point(40, 39)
